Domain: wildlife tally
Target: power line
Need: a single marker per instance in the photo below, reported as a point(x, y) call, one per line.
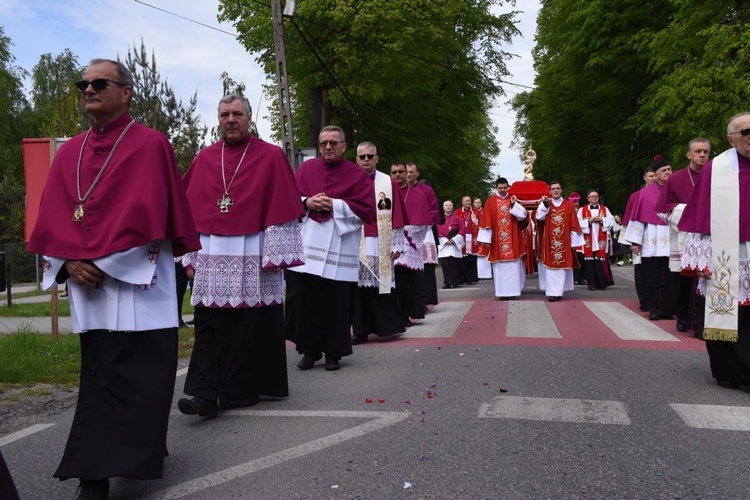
point(187, 18)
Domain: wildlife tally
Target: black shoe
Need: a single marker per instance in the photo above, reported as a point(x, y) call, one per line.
point(681, 327)
point(408, 323)
point(592, 288)
point(198, 406)
point(727, 384)
point(240, 403)
point(653, 316)
point(357, 339)
point(332, 364)
point(554, 299)
point(183, 324)
point(445, 287)
point(93, 490)
point(308, 361)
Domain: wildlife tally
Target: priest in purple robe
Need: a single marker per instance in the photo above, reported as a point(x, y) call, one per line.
point(113, 216)
point(337, 196)
point(717, 250)
point(648, 236)
point(670, 205)
point(246, 208)
point(377, 309)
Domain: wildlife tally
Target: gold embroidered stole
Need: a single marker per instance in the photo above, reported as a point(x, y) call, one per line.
point(722, 290)
point(385, 235)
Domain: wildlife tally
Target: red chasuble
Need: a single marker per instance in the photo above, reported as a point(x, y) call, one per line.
point(341, 180)
point(263, 191)
point(588, 253)
point(555, 250)
point(138, 199)
point(507, 241)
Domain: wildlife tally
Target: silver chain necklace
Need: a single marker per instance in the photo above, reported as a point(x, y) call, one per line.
point(79, 212)
point(225, 201)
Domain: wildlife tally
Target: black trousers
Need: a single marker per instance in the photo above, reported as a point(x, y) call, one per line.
point(238, 354)
point(429, 285)
point(182, 283)
point(7, 487)
point(659, 290)
point(124, 399)
point(319, 314)
point(595, 274)
point(452, 275)
point(689, 306)
point(409, 292)
point(377, 313)
point(730, 361)
point(470, 268)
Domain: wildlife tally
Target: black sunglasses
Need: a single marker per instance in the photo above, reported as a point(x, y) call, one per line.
point(369, 157)
point(98, 84)
point(744, 132)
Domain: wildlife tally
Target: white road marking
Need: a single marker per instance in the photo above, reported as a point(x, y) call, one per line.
point(728, 418)
point(556, 410)
point(182, 371)
point(530, 319)
point(627, 324)
point(23, 433)
point(382, 420)
point(440, 322)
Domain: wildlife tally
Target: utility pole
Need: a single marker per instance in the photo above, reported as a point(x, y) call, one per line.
point(282, 82)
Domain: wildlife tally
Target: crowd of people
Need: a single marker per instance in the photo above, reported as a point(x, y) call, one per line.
point(356, 248)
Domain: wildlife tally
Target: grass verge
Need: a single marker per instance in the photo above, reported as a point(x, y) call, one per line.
point(29, 357)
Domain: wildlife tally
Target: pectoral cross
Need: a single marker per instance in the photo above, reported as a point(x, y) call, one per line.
point(224, 203)
point(78, 213)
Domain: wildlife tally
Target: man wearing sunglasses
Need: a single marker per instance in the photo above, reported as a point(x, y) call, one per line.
point(113, 216)
point(376, 308)
point(246, 208)
point(717, 250)
point(338, 198)
point(672, 200)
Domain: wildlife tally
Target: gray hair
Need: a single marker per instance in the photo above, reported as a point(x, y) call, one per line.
point(332, 128)
point(698, 139)
point(738, 115)
point(366, 144)
point(233, 97)
point(124, 75)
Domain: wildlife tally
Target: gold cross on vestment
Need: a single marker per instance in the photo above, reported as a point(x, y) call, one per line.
point(78, 213)
point(224, 203)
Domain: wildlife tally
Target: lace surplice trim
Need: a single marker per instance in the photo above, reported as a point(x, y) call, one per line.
point(367, 278)
point(282, 246)
point(697, 255)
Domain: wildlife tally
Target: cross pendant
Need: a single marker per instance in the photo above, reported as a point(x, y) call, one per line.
point(78, 213)
point(224, 203)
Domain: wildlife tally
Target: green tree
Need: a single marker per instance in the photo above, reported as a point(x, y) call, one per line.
point(155, 105)
point(416, 77)
point(591, 69)
point(56, 100)
point(13, 127)
point(699, 60)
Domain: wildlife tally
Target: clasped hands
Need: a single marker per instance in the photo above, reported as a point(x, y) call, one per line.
point(84, 273)
point(320, 203)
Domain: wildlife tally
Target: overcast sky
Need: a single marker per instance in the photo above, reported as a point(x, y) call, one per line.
point(192, 57)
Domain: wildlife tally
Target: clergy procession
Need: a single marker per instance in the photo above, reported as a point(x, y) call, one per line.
point(332, 255)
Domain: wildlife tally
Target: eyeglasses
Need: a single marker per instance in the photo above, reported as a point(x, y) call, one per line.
point(744, 132)
point(333, 144)
point(98, 84)
point(395, 172)
point(369, 157)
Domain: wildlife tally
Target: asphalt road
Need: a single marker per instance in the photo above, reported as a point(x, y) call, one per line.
point(469, 410)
